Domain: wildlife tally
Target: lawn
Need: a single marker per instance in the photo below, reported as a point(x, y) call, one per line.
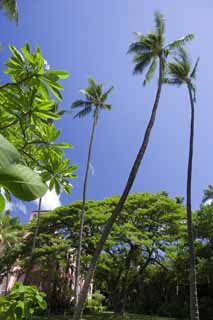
point(109, 316)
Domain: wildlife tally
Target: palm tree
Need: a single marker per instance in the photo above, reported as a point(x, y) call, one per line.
point(149, 50)
point(95, 101)
point(208, 193)
point(9, 231)
point(182, 72)
point(11, 9)
point(35, 235)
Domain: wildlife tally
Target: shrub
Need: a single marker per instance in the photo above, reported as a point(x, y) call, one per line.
point(96, 303)
point(21, 303)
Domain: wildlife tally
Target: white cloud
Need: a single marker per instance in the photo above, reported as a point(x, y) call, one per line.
point(50, 201)
point(208, 201)
point(46, 65)
point(91, 169)
point(17, 206)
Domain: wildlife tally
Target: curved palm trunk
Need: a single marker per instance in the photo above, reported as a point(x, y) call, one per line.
point(34, 241)
point(194, 307)
point(82, 217)
point(83, 296)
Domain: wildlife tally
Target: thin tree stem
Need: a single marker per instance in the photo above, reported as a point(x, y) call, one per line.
point(194, 307)
point(82, 216)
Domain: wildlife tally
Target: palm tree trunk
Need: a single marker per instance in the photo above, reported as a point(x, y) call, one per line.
point(37, 227)
point(108, 227)
point(34, 242)
point(82, 217)
point(194, 307)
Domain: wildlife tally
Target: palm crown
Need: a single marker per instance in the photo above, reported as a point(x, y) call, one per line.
point(208, 194)
point(9, 230)
point(11, 9)
point(181, 70)
point(95, 100)
point(148, 48)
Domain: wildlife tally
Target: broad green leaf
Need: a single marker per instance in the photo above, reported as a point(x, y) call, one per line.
point(24, 183)
point(8, 153)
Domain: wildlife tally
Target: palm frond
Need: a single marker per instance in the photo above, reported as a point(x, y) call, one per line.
point(194, 70)
point(11, 9)
point(173, 81)
point(141, 65)
point(208, 194)
point(81, 103)
point(138, 47)
point(178, 70)
point(150, 72)
point(183, 56)
point(83, 112)
point(180, 42)
point(159, 23)
point(107, 93)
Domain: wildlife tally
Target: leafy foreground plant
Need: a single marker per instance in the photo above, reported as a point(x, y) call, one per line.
point(17, 178)
point(21, 303)
point(148, 50)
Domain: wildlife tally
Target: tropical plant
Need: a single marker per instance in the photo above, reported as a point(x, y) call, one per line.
point(182, 72)
point(208, 193)
point(148, 49)
point(10, 229)
point(21, 303)
point(28, 111)
point(10, 7)
point(95, 101)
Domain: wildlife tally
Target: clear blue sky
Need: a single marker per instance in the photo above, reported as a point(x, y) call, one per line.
point(91, 38)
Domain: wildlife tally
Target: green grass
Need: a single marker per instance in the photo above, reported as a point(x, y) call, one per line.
point(110, 316)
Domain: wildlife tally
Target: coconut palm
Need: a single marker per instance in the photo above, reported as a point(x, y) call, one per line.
point(208, 193)
point(149, 51)
point(95, 101)
point(11, 9)
point(181, 72)
point(9, 231)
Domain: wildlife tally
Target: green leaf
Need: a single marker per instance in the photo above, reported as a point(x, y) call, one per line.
point(22, 182)
point(2, 203)
point(63, 145)
point(56, 92)
point(59, 73)
point(8, 153)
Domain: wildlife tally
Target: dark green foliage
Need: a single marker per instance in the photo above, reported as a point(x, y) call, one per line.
point(10, 7)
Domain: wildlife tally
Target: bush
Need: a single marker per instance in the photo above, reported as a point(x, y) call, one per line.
point(96, 303)
point(21, 303)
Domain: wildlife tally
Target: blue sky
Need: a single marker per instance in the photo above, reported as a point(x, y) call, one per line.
point(91, 38)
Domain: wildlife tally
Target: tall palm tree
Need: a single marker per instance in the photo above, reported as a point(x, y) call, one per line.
point(182, 72)
point(11, 9)
point(208, 193)
point(95, 101)
point(149, 50)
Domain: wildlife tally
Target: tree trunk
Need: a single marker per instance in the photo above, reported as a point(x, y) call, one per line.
point(194, 307)
point(34, 243)
point(119, 206)
point(82, 217)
